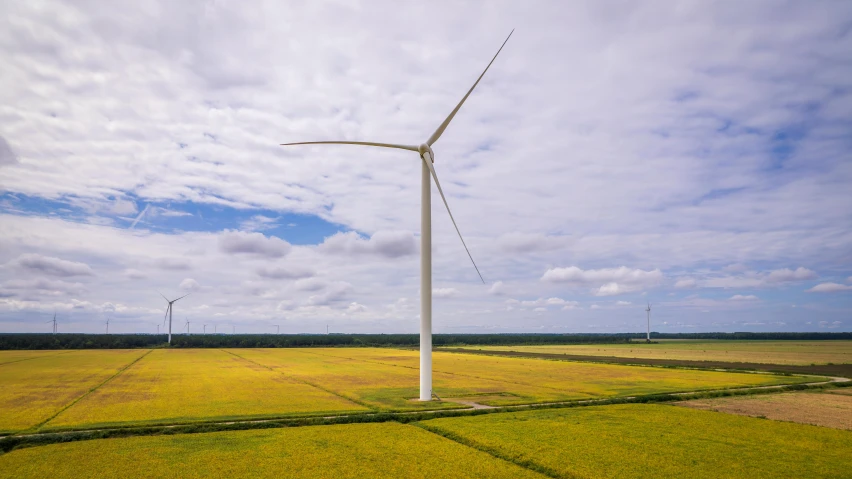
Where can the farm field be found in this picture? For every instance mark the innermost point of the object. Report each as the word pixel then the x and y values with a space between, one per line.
pixel 33 390
pixel 386 378
pixel 86 389
pixel 765 352
pixel 660 441
pixel 832 408
pixel 184 385
pixel 14 356
pixel 386 450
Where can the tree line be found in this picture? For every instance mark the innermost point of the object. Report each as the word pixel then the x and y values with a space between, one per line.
pixel 130 341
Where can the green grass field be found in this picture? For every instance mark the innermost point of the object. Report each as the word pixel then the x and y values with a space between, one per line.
pixel 85 389
pixel 386 450
pixel 658 441
pixel 763 352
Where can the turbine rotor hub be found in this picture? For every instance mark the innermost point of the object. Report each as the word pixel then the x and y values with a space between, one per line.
pixel 424 148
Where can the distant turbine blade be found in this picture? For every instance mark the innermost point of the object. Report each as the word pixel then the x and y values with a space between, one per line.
pixel 365 143
pixel 428 161
pixel 446 122
pixel 187 294
pixel 163 295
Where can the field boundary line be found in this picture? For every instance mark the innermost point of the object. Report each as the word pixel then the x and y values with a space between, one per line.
pixel 22 440
pixel 86 394
pixel 37 357
pixel 527 464
pixel 335 393
pixel 665 363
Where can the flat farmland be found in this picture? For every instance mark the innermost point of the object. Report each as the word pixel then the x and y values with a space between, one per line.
pixel 386 450
pixel 34 389
pixel 387 378
pixel 660 441
pixel 832 408
pixel 105 388
pixel 762 352
pixel 185 385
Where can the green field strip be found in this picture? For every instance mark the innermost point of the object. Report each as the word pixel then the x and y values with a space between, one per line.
pixel 90 391
pixel 10 443
pixel 35 357
pixel 336 393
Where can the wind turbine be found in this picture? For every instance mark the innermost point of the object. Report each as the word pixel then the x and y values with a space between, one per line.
pixel 277 329
pixel 53 321
pixel 169 312
pixel 107 327
pixel 428 157
pixel 187 326
pixel 205 329
pixel 648 310
pixel 158 328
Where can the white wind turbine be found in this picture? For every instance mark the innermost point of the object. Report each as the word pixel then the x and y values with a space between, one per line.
pixel 169 312
pixel 648 310
pixel 428 157
pixel 187 326
pixel 54 322
pixel 107 326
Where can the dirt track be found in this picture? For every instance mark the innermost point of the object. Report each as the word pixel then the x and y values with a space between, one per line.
pixel 842 370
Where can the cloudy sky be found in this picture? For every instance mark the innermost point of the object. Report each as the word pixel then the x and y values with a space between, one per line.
pixel 697 155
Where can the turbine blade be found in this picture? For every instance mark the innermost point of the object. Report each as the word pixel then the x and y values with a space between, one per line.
pixel 365 143
pixel 187 294
pixel 163 295
pixel 440 130
pixel 428 162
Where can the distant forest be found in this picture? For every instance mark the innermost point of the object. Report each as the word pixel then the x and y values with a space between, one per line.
pixel 124 341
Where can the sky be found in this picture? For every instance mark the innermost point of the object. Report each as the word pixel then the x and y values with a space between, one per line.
pixel 696 156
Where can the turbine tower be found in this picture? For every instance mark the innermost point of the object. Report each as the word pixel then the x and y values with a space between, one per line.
pixel 169 309
pixel 648 310
pixel 107 327
pixel 187 327
pixel 428 158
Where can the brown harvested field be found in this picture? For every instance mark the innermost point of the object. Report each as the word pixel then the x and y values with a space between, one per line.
pixel 829 409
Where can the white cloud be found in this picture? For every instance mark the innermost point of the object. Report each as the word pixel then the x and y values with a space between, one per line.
pixel 258 223
pixel 310 284
pixel 284 272
pixel 497 288
pixel 36 263
pixel 622 303
pixel 355 308
pixel 684 283
pixel 615 280
pixel 517 242
pixel 189 284
pixel 740 297
pixel 391 244
pixel 787 275
pixel 44 286
pixel 131 273
pixel 829 288
pixel 444 292
pixel 253 243
pixel 594 306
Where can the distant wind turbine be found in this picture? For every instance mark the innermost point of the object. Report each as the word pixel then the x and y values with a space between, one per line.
pixel 277 329
pixel 158 328
pixel 169 309
pixel 107 326
pixel 428 158
pixel 648 310
pixel 54 322
pixel 187 326
pixel 205 329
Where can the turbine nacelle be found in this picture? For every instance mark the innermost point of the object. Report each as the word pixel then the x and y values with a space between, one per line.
pixel 423 149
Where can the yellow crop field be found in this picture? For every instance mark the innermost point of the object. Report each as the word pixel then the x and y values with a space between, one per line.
pixel 381 386
pixel 762 352
pixel 387 450
pixel 184 385
pixel 659 441
pixel 385 377
pixel 15 356
pixel 33 390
